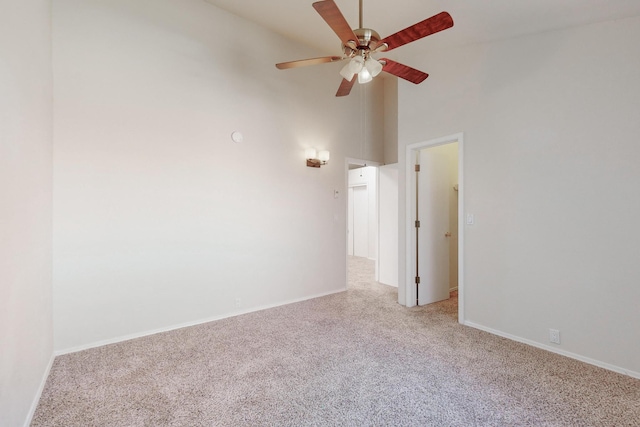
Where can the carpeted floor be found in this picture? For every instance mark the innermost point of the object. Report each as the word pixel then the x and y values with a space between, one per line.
pixel 351 359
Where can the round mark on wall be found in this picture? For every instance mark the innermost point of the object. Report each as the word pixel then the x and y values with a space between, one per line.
pixel 237 137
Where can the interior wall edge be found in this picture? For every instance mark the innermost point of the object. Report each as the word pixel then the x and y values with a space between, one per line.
pixel 170 328
pixel 575 356
pixel 36 398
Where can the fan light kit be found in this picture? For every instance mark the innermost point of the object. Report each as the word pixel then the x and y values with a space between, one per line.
pixel 366 69
pixel 360 44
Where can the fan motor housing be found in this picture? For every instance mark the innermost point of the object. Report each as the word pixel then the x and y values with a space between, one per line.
pixel 368 40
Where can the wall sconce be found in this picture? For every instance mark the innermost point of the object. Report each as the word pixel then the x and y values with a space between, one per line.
pixel 316 159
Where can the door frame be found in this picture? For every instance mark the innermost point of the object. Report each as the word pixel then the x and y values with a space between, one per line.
pixel 410 208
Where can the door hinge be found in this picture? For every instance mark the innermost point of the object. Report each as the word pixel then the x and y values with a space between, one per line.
pixel 417 280
pixel 417 224
pixel 417 168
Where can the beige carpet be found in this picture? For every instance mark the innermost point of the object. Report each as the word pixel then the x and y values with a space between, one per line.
pixel 352 359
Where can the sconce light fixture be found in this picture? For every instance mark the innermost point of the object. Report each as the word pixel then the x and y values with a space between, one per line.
pixel 315 159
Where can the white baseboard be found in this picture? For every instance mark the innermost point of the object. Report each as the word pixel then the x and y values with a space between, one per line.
pixel 575 356
pixel 36 399
pixel 453 289
pixel 188 324
pixel 387 284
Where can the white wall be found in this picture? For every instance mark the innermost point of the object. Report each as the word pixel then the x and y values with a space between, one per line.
pixel 551 166
pixel 368 176
pixel 26 332
pixel 159 218
pixel 388 230
pixel 371 120
pixel 390 119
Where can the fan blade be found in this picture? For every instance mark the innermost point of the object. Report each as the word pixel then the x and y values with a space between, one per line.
pixel 429 26
pixel 332 16
pixel 345 87
pixel 305 62
pixel 403 71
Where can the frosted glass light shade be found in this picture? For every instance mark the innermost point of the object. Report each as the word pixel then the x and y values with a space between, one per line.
pixel 373 66
pixel 353 67
pixel 356 64
pixel 346 72
pixel 323 156
pixel 364 76
pixel 310 153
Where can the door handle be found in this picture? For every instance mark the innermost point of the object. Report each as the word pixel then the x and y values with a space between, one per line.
pixel 447 234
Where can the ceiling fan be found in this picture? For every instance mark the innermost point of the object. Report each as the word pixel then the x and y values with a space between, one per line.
pixel 360 44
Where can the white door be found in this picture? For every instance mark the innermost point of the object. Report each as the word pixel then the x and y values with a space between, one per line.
pixel 433 214
pixel 360 221
pixel 388 223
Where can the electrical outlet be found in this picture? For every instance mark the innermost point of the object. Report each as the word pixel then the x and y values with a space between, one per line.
pixel 554 336
pixel 238 302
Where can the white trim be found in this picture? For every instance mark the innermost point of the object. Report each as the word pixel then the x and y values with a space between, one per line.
pixel 556 350
pixel 359 162
pixel 36 398
pixel 411 150
pixel 453 289
pixel 189 324
pixel 377 260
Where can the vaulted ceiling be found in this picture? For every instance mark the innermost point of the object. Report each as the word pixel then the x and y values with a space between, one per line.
pixel 475 21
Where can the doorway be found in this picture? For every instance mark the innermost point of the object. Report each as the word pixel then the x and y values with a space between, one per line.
pixel 362 216
pixel 358 227
pixel 433 231
pixel 436 219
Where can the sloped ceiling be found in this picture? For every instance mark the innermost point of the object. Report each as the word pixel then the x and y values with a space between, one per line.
pixel 475 21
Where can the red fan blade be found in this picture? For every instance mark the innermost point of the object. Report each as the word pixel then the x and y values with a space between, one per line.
pixel 345 87
pixel 429 26
pixel 403 71
pixel 305 62
pixel 332 16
